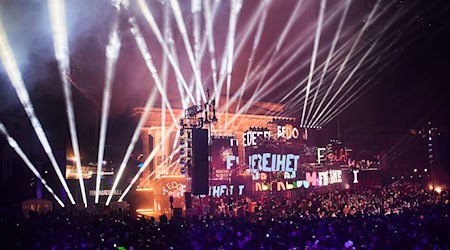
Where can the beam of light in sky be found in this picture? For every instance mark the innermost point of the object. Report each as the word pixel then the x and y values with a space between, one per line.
pixel 154 27
pixel 170 44
pixel 235 9
pixel 241 41
pixel 184 98
pixel 11 68
pixel 141 170
pixel 341 48
pixel 345 82
pixel 83 92
pixel 366 25
pixel 196 8
pixel 364 87
pixel 294 101
pixel 349 100
pixel 175 143
pixel 296 52
pixel 172 166
pixel 210 36
pixel 292 56
pixel 262 93
pixel 13 143
pixel 314 55
pixel 330 55
pixel 286 63
pixel 256 41
pixel 335 62
pixel 151 67
pixel 298 99
pixel 356 67
pixel 292 51
pixel 61 45
pixel 134 139
pixel 335 108
pixel 161 165
pixel 334 111
pixel 182 28
pixel 148 60
pixel 146 163
pixel 272 87
pixel 164 70
pixel 300 94
pixel 281 39
pixel 112 55
pixel 203 48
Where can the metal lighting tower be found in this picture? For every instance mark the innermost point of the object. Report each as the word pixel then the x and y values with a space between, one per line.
pixel 429 133
pixel 191 121
pixel 432 132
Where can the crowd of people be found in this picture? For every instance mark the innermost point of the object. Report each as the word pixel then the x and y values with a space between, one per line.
pixel 394 217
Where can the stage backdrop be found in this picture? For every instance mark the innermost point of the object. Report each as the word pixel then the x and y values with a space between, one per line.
pixel 224 158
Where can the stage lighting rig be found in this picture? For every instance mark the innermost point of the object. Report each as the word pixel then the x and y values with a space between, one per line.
pixel 429 133
pixel 187 125
pixel 193 111
pixel 310 127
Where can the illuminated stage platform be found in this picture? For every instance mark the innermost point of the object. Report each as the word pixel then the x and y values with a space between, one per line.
pixel 152 133
pixel 163 174
pixel 259 152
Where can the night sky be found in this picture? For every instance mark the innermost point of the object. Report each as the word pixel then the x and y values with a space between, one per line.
pixel 404 80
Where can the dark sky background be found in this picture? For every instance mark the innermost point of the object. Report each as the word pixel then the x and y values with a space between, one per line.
pixel 407 87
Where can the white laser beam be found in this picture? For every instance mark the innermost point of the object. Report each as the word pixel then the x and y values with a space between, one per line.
pixel 183 31
pixel 60 41
pixel 14 145
pixel 154 27
pixel 112 55
pixel 314 55
pixel 15 77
